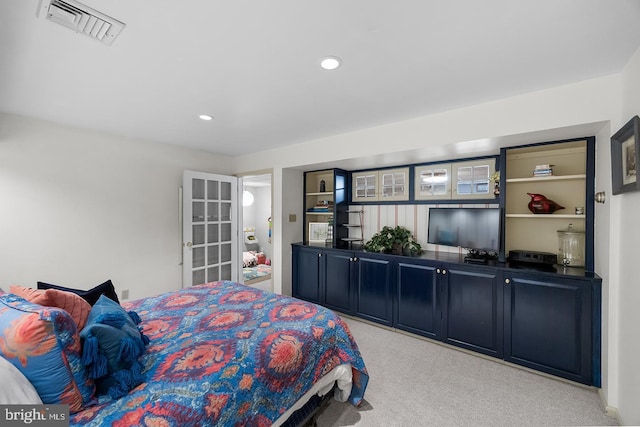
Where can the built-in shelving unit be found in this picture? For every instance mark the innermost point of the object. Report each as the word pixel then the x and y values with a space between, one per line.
pixel 319 202
pixel 568 186
pixel 324 205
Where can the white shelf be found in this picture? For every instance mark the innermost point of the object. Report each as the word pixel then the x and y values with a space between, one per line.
pixel 547 178
pixel 546 216
pixel 324 193
pixel 351 225
pixel 319 213
pixel 351 239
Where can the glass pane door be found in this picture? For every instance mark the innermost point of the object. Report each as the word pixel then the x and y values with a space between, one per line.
pixel 473 179
pixel 433 182
pixel 393 184
pixel 365 186
pixel 210 213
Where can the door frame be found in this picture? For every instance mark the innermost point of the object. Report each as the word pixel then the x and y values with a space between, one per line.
pixel 241 225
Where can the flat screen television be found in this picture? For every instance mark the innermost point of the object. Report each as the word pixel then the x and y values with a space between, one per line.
pixel 472 228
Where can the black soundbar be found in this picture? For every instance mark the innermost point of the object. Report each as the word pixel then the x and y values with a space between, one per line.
pixel 533 257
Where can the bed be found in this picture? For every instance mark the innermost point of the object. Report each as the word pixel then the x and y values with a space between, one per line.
pixel 226 354
pixel 254 267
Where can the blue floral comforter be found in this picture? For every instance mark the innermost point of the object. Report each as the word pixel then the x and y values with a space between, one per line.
pixel 228 355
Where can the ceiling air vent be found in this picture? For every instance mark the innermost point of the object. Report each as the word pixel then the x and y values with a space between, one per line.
pixel 81 19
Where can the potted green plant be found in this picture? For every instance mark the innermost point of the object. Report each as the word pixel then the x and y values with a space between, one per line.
pixel 393 240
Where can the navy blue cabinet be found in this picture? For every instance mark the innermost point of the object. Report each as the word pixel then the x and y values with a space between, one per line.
pixel 373 286
pixel 323 276
pixel 417 308
pixel 338 272
pixel 549 325
pixel 458 304
pixel 472 307
pixel 308 273
pixel 549 322
pixel 345 281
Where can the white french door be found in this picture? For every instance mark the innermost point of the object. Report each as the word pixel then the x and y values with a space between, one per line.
pixel 210 228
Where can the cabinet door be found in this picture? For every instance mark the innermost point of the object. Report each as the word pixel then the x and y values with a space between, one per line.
pixel 472 309
pixel 548 324
pixel 416 295
pixel 433 182
pixel 471 180
pixel 365 186
pixel 338 272
pixel 374 298
pixel 308 266
pixel 394 184
pixel 380 185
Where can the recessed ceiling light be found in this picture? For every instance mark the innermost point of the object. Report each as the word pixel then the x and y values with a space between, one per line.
pixel 205 117
pixel 330 62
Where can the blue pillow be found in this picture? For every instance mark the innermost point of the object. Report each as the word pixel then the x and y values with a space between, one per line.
pixel 112 344
pixel 43 343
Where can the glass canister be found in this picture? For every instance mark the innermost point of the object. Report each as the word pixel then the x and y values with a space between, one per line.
pixel 571 247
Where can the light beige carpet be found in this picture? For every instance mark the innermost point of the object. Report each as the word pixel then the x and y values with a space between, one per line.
pixel 414 382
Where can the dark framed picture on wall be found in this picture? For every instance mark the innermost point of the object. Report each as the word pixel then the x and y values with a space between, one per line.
pixel 625 152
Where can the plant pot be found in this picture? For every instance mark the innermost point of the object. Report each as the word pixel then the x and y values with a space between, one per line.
pixel 396 249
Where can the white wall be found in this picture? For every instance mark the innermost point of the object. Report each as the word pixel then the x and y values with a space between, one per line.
pixel 454 134
pixel 80 207
pixel 627 287
pixel 287 206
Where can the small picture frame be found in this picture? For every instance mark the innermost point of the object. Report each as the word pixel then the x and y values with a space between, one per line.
pixel 625 157
pixel 318 232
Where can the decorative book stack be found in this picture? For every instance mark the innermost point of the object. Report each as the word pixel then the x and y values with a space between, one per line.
pixel 543 170
pixel 322 206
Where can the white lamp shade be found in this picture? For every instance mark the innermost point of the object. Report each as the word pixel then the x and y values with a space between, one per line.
pixel 247 198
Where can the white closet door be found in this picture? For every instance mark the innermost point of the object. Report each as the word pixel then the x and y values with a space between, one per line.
pixel 210 228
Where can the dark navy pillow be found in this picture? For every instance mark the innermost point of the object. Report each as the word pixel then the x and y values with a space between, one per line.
pixel 92 295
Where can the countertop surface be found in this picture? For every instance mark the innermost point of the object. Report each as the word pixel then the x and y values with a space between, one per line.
pixel 459 258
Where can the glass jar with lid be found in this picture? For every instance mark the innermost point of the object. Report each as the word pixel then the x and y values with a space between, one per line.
pixel 571 247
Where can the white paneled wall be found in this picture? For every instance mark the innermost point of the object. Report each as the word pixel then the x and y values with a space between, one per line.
pixel 413 217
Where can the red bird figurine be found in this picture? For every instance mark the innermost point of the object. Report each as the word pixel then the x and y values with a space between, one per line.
pixel 539 204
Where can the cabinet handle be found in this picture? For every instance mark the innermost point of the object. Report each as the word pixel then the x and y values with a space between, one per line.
pixel 507 281
pixel 319 255
pixel 444 271
pixel 438 270
pixel 355 259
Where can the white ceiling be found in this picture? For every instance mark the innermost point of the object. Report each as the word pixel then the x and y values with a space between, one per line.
pixel 254 65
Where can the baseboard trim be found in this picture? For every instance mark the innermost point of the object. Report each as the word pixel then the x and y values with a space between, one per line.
pixel 610 411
